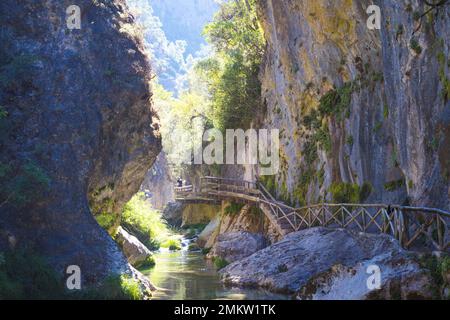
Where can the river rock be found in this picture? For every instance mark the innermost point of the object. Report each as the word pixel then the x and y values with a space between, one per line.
pixel 340 256
pixel 235 246
pixel 138 255
pixel 401 278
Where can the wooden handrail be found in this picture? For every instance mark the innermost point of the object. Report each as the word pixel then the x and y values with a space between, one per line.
pixel 402 222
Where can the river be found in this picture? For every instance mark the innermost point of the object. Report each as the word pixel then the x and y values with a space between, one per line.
pixel 184 275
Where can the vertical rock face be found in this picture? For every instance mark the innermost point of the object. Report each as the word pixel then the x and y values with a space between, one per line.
pixel 158 183
pixel 79 125
pixel 360 106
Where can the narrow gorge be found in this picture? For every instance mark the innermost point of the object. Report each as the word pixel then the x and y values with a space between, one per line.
pixel 99 146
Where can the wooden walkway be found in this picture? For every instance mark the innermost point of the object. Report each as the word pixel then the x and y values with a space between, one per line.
pixel 411 226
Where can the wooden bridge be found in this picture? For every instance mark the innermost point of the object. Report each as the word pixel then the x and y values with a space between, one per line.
pixel 412 226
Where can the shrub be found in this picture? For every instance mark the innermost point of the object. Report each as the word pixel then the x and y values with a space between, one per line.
pixel 171 244
pixel 220 263
pixel 414 44
pixel 345 193
pixel 115 287
pixel 144 222
pixel 336 102
pixel 394 185
pixel 282 268
pixel 233 208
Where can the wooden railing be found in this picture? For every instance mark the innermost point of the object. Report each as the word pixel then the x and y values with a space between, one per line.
pixel 411 226
pixel 183 192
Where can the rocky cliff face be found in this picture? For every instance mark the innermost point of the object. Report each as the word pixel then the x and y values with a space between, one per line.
pixel 158 183
pixel 77 124
pixel 359 106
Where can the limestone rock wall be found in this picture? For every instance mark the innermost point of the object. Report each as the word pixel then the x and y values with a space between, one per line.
pixel 79 126
pixel 360 106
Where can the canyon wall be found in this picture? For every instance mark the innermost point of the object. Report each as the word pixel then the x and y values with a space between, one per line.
pixel 77 129
pixel 356 106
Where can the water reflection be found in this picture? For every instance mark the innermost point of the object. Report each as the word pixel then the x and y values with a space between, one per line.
pixel 187 275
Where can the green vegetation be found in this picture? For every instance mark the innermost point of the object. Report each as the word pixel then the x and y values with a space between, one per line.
pixel 386 111
pixel 439 268
pixel 232 72
pixel 337 102
pixel 282 268
pixel 394 185
pixel 26 275
pixel 3 113
pixel 171 244
pixel 219 262
pixel 233 208
pixel 445 81
pixel 350 141
pixel 147 224
pixel 23 185
pixel 414 44
pixel 350 193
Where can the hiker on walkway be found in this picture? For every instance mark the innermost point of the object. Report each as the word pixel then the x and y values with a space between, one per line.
pixel 179 182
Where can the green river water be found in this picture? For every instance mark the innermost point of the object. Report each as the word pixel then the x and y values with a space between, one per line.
pixel 184 275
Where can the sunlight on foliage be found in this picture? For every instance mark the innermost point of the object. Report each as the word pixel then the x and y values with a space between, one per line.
pixel 145 223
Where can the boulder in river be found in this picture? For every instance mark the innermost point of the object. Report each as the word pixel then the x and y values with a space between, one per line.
pixel 138 255
pixel 322 263
pixel 235 246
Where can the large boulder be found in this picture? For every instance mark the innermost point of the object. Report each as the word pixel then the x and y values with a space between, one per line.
pixel 235 246
pixel 339 258
pixel 138 255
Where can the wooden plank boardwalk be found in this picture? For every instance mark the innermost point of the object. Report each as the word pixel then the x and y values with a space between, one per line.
pixel 411 226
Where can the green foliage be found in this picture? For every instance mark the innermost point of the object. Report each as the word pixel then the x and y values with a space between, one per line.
pixel 350 141
pixel 205 251
pixel 386 111
pixel 219 262
pixel 350 193
pixel 23 185
pixel 172 244
pixel 414 44
pixel 269 183
pixel 106 220
pixel 439 268
pixel 145 223
pixel 282 268
pixel 3 113
pixel 26 275
pixel 115 287
pixel 337 102
pixel 345 193
pixel 233 208
pixel 394 185
pixel 442 76
pixel 232 73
